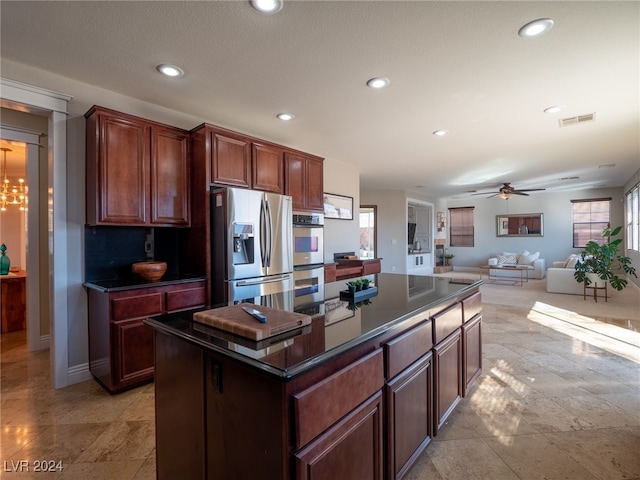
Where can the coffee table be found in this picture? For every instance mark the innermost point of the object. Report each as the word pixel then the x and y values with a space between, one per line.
pixel 523 269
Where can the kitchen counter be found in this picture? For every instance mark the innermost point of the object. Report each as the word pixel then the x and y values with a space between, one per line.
pixel 399 298
pixel 130 283
pixel 359 393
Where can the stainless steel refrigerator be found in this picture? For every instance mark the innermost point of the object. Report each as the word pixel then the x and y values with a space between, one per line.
pixel 251 244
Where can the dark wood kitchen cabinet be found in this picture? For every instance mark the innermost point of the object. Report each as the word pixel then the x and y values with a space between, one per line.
pixel 120 345
pixel 230 159
pixel 267 168
pixel 447 366
pixel 137 171
pixel 304 181
pixel 409 398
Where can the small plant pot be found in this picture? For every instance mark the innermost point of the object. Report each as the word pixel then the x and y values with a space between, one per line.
pixel 358 288
pixel 352 288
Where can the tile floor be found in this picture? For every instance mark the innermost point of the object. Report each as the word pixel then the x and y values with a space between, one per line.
pixel 549 405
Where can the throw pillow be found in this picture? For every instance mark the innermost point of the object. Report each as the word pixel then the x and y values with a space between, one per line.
pixel 527 258
pixel 507 259
pixel 572 260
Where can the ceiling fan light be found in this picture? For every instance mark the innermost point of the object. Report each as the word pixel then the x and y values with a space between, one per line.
pixel 505 196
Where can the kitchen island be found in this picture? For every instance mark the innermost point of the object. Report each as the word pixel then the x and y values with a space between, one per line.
pixel 358 394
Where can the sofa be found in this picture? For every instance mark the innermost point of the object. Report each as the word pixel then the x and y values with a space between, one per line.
pixel 536 265
pixel 560 277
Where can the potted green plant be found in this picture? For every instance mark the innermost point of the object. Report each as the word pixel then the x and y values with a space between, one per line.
pixel 351 285
pixel 448 257
pixel 599 262
pixel 365 283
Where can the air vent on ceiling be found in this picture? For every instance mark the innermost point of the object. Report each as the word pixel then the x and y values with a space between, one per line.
pixel 569 178
pixel 589 117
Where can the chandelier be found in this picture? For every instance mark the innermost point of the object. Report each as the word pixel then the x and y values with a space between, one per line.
pixel 11 195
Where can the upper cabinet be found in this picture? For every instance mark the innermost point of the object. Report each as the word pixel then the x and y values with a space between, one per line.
pixel 137 171
pixel 304 181
pixel 224 157
pixel 230 159
pixel 268 173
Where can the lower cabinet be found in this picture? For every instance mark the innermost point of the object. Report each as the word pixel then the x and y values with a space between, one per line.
pixel 409 399
pixel 447 365
pixel 472 352
pixel 351 449
pixel 120 345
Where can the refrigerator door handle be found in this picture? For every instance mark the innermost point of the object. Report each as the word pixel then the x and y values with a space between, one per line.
pixel 263 234
pixel 278 278
pixel 269 230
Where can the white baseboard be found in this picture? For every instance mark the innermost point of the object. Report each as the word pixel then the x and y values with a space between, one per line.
pixel 44 341
pixel 79 373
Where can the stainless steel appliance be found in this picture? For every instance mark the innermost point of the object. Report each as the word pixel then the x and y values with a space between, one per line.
pixel 308 239
pixel 251 244
pixel 308 286
pixel 308 260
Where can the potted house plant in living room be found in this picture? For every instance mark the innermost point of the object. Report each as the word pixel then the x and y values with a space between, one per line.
pixel 599 262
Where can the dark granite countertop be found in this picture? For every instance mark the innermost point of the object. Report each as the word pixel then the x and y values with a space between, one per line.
pixel 400 298
pixel 131 283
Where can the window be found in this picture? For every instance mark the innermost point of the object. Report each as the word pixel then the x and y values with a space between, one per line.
pixel 590 217
pixel 461 227
pixel 633 218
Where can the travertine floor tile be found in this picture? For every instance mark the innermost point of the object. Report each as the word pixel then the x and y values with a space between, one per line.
pixel 550 404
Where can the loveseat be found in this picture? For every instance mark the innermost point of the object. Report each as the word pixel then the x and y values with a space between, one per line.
pixel 560 277
pixel 535 264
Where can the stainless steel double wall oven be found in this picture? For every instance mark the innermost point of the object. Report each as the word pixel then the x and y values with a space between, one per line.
pixel 308 259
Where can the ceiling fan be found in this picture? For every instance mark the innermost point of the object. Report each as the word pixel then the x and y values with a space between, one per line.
pixel 507 190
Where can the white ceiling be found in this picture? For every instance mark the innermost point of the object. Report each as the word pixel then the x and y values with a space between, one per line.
pixel 453 65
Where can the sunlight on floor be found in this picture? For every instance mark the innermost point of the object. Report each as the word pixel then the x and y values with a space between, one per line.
pixel 617 340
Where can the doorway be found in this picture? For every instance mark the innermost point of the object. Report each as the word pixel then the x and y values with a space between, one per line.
pixel 368 232
pixel 20 224
pixel 13 207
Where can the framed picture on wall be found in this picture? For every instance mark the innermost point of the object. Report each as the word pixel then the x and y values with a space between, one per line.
pixel 338 206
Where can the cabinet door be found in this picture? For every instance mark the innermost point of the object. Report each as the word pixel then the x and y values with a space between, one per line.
pixel 410 416
pixel 268 168
pixel 315 184
pixel 447 362
pixel 295 173
pixel 122 171
pixel 133 353
pixel 230 160
pixel 351 449
pixel 471 351
pixel 185 296
pixel 304 181
pixel 169 177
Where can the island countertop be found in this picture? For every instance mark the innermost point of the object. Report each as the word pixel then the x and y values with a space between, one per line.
pixel 400 299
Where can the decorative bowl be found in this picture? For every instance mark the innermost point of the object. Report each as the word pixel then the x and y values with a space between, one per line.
pixel 149 271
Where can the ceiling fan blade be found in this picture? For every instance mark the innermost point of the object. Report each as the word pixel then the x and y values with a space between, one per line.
pixel 519 192
pixel 531 189
pixel 491 196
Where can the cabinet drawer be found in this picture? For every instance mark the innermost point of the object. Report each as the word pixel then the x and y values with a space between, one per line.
pixel 405 349
pixel 138 306
pixel 446 322
pixel 190 297
pixel 320 406
pixel 471 306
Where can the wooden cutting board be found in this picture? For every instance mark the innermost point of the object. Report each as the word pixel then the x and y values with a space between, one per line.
pixel 235 320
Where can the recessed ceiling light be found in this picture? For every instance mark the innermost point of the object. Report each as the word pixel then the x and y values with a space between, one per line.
pixel 285 116
pixel 536 28
pixel 554 109
pixel 170 70
pixel 440 133
pixel 377 82
pixel 267 6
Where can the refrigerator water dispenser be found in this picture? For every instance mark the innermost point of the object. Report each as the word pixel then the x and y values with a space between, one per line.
pixel 242 243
